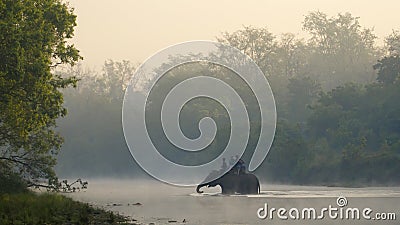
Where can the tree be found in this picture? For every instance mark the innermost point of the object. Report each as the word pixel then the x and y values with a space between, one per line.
pixel 389 66
pixel 33 41
pixel 388 69
pixel 99 142
pixel 288 152
pixel 393 43
pixel 278 59
pixel 292 56
pixel 115 78
pixel 303 91
pixel 343 51
pixel 258 43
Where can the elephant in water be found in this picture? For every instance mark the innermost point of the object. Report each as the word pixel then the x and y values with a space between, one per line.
pixel 232 183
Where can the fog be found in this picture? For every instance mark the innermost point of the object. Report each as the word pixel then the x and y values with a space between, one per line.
pixel 134 30
pixel 174 112
pixel 333 70
pixel 155 202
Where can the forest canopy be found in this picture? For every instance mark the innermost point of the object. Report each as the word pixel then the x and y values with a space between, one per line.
pixel 336 93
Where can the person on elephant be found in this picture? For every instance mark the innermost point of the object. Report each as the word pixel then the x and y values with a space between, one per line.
pixel 232 161
pixel 224 166
pixel 239 167
pixel 242 168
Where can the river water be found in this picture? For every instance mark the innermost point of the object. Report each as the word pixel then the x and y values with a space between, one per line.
pixel 155 202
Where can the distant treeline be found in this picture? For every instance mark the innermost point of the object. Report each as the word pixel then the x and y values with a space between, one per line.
pixel 336 94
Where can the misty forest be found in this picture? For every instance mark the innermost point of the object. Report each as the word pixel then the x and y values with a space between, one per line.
pixel 336 95
pixel 336 91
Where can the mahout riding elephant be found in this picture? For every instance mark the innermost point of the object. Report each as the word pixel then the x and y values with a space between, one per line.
pixel 232 183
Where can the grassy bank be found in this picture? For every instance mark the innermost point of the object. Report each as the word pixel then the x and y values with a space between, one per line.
pixel 32 208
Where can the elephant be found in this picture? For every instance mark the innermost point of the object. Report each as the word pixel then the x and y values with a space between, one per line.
pixel 232 183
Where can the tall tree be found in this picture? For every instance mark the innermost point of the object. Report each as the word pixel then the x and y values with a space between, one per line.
pixel 393 43
pixel 389 66
pixel 343 51
pixel 292 56
pixel 258 43
pixel 33 40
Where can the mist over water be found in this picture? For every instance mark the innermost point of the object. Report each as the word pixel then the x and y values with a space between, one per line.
pixel 337 122
pixel 152 201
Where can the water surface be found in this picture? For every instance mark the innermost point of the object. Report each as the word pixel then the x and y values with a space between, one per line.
pixel 159 203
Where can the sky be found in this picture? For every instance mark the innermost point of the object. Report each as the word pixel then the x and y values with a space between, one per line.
pixel 134 30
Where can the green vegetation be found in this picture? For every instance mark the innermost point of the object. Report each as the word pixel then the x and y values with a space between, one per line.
pixel 336 92
pixel 32 208
pixel 350 138
pixel 33 40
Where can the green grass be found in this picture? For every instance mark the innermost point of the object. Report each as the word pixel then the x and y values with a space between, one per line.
pixel 32 208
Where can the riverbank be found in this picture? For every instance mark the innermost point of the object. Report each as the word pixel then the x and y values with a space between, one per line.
pixel 51 208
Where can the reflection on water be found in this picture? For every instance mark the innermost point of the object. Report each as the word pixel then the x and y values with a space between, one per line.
pixel 152 201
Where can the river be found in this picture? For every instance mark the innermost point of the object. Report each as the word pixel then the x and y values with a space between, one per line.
pixel 155 202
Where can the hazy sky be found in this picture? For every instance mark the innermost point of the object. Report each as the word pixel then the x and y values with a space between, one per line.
pixel 134 30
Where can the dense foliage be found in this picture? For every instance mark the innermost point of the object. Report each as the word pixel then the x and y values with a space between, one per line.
pixel 33 40
pixel 336 93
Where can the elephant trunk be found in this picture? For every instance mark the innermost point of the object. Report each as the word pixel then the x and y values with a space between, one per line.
pixel 198 188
